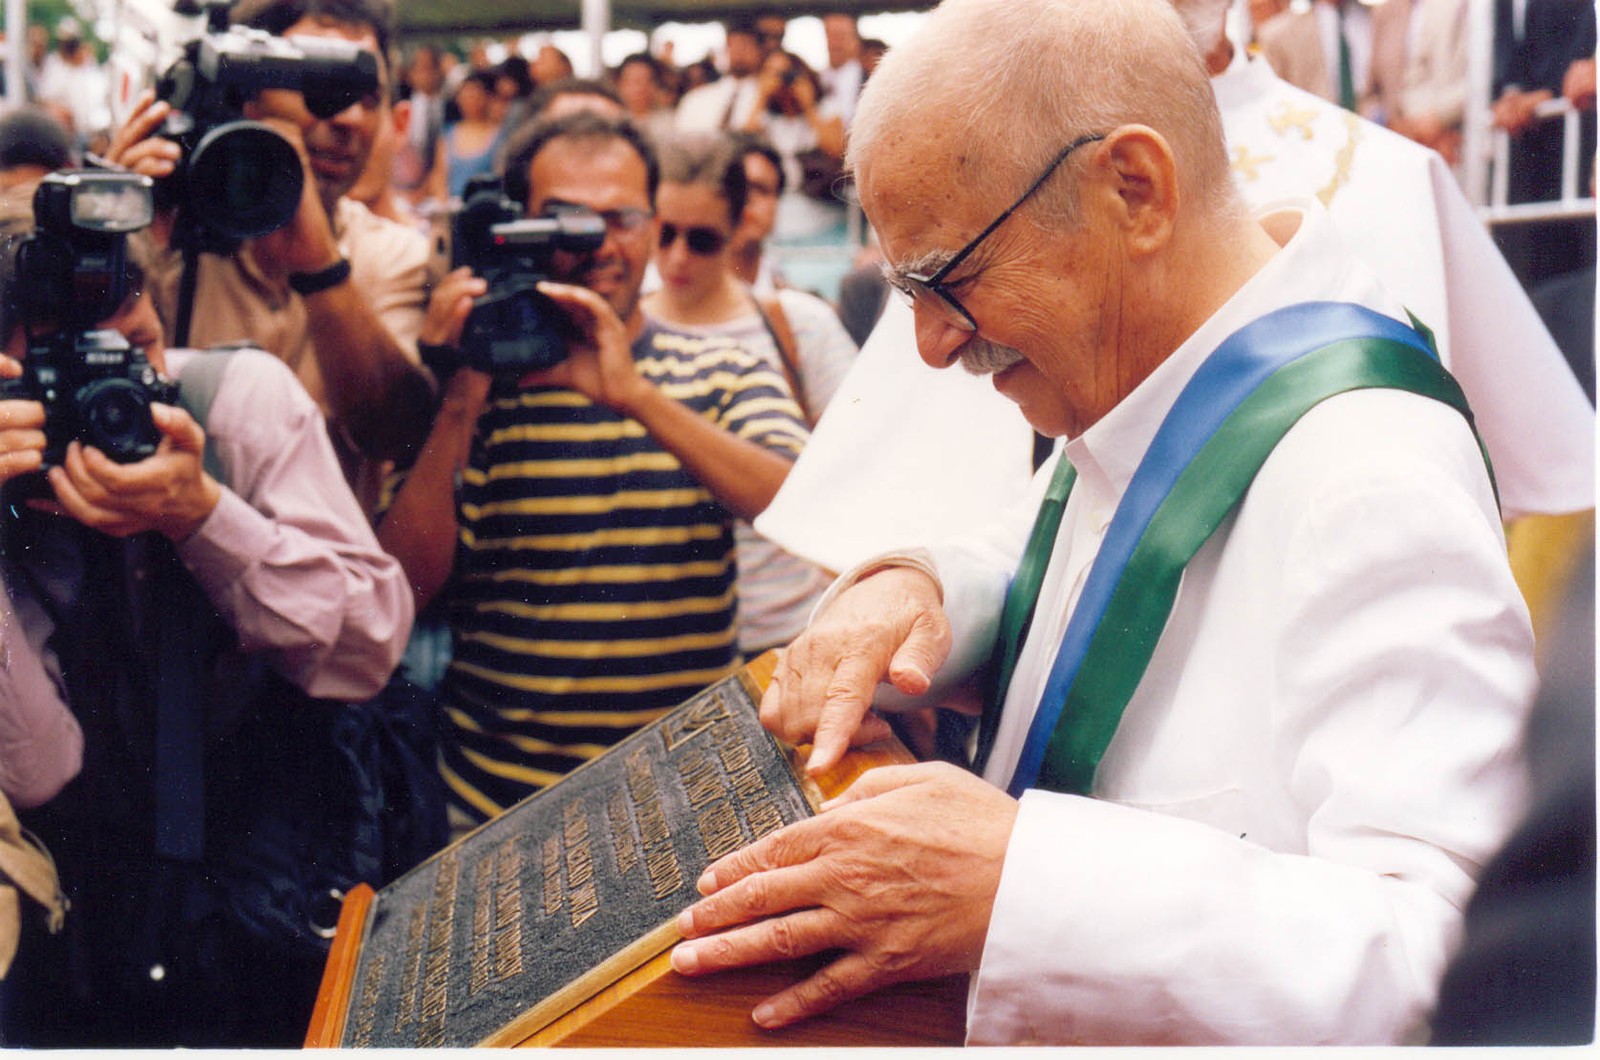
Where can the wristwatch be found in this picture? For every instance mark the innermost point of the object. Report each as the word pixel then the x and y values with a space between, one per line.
pixel 307 283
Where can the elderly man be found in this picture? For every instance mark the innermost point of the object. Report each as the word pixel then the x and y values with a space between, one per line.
pixel 1398 208
pixel 1273 843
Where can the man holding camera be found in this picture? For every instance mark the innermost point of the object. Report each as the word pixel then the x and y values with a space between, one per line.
pixel 590 553
pixel 337 293
pixel 175 603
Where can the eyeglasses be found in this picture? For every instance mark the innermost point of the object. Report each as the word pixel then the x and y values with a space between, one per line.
pixel 624 221
pixel 702 241
pixel 629 220
pixel 917 287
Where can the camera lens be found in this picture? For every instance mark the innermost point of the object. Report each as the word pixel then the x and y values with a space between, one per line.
pixel 244 180
pixel 115 414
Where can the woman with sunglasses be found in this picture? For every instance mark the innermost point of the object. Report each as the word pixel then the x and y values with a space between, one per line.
pixel 700 202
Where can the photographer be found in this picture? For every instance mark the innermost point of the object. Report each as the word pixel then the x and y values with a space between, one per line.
pixel 232 562
pixel 338 294
pixel 592 586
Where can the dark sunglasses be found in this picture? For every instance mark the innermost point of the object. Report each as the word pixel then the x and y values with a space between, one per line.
pixel 702 241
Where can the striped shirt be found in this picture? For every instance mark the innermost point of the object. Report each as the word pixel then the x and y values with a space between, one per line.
pixel 594 577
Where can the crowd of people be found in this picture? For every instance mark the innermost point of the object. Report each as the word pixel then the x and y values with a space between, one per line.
pixel 463 109
pixel 516 511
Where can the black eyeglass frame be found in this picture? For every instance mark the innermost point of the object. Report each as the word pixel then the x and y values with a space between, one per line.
pixel 694 236
pixel 911 284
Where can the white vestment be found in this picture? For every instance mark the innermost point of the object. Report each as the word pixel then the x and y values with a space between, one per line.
pixel 909 454
pixel 1319 759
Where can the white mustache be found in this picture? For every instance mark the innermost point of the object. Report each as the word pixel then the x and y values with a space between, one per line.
pixel 982 357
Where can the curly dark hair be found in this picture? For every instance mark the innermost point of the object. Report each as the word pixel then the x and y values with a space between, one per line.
pixel 584 126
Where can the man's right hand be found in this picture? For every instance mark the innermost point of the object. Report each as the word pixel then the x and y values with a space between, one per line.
pixel 135 144
pixel 890 625
pixel 449 306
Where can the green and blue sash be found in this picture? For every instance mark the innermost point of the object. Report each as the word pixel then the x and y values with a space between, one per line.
pixel 1228 418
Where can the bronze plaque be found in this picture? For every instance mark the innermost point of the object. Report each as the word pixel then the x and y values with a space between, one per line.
pixel 504 921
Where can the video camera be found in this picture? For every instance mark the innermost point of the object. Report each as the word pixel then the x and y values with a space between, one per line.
pixel 69 275
pixel 239 178
pixel 513 328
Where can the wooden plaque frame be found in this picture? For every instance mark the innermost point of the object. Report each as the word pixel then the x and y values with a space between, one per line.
pixel 635 998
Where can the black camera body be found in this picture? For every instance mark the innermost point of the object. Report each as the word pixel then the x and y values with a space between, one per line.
pixel 69 275
pixel 240 179
pixel 513 329
pixel 96 389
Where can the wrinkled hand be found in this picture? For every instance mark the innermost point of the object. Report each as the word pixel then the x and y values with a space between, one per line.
pixel 306 243
pixel 889 625
pixel 599 366
pixel 21 430
pixel 168 491
pixel 449 306
pixel 900 872
pixel 135 144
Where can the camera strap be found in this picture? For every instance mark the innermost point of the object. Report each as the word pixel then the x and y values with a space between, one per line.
pixel 188 278
pixel 180 729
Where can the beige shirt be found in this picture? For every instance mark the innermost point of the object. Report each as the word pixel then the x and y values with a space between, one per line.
pixel 237 300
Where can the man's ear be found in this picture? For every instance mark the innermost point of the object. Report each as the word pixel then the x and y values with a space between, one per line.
pixel 401 112
pixel 1146 183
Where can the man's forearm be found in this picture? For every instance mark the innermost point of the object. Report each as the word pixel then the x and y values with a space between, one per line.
pixel 377 393
pixel 420 527
pixel 740 474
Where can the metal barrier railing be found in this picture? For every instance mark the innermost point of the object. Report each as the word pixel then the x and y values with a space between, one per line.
pixel 1570 204
pixel 1486 150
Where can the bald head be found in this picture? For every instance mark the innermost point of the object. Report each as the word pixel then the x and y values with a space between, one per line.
pixel 998 89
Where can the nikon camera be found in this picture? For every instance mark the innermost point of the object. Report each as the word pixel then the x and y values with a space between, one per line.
pixel 69 275
pixel 240 179
pixel 513 329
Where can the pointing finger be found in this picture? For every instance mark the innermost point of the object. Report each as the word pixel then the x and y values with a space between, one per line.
pixel 848 698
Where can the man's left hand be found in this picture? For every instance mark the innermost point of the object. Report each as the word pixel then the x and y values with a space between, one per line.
pixel 600 365
pixel 168 491
pixel 900 872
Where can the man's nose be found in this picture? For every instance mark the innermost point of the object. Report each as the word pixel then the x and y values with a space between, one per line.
pixel 938 342
pixel 353 115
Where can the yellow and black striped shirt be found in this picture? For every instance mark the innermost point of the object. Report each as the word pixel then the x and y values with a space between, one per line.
pixel 594 578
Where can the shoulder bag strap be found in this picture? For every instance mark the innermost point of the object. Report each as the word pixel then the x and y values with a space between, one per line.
pixel 776 322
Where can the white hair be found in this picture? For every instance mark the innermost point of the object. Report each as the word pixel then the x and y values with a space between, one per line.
pixel 998 87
